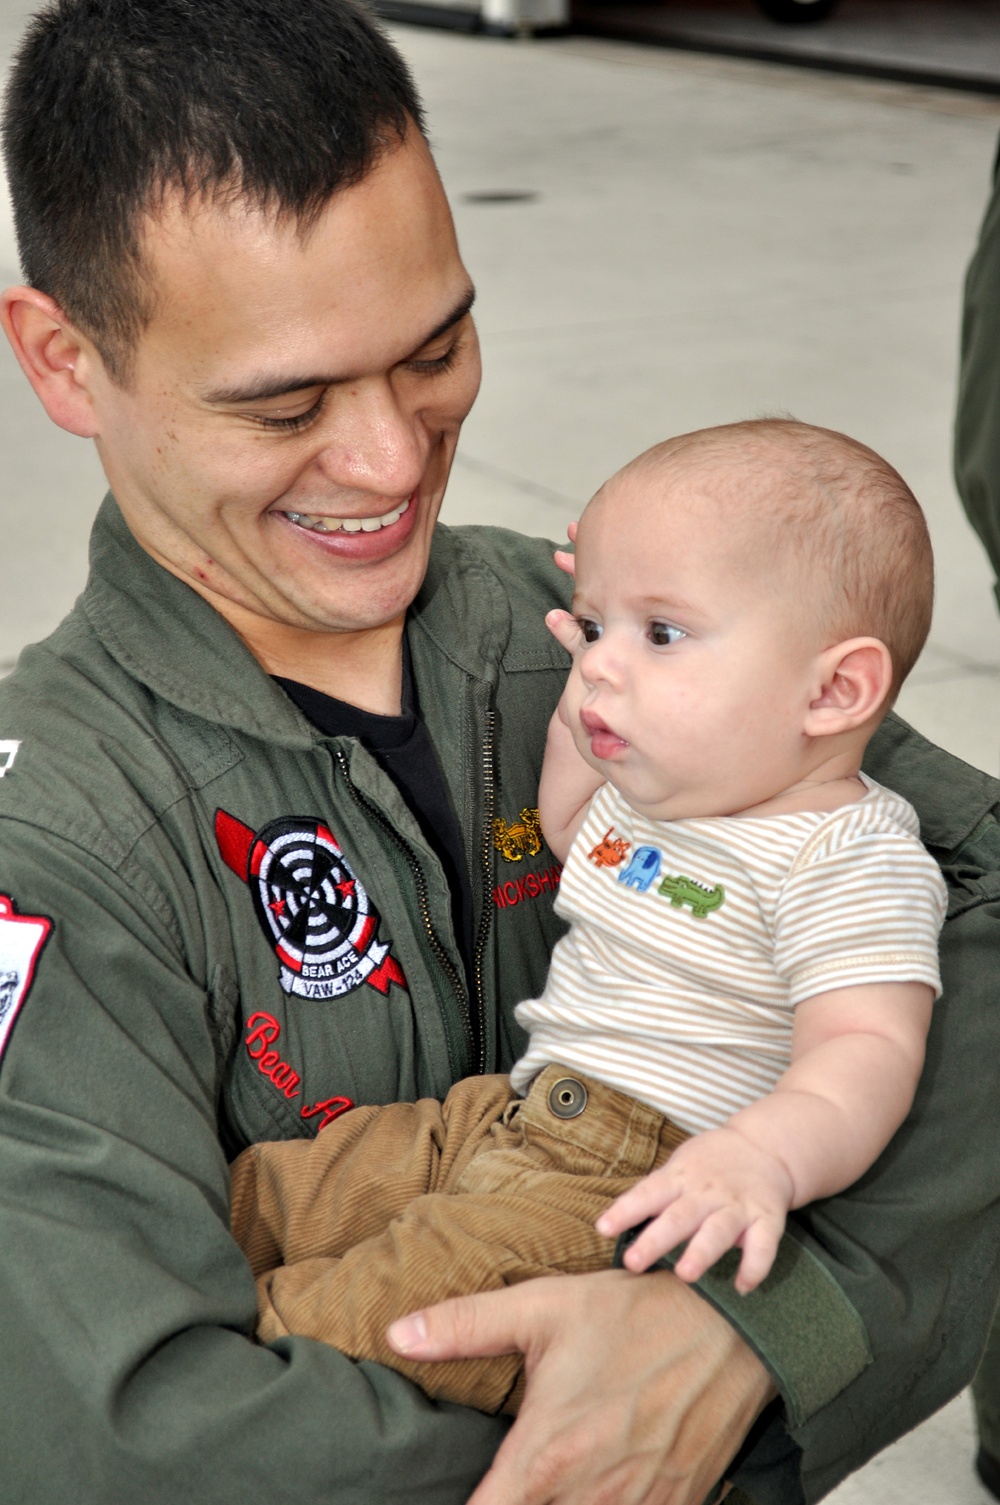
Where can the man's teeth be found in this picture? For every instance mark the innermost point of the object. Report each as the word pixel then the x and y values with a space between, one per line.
pixel 348 524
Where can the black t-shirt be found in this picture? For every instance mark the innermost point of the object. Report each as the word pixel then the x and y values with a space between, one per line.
pixel 403 750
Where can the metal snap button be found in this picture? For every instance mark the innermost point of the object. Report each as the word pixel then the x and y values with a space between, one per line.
pixel 568 1098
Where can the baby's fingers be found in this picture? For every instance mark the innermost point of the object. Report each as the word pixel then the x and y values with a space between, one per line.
pixel 664 1233
pixel 652 1194
pixel 720 1231
pixel 563 558
pixel 760 1245
pixel 563 627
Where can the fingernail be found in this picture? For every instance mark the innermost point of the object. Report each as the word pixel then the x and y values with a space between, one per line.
pixel 408 1333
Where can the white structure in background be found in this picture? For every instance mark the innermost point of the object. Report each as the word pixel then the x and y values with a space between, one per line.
pixel 521 17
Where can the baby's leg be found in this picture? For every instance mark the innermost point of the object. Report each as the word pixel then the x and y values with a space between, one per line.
pixel 300 1199
pixel 524 1206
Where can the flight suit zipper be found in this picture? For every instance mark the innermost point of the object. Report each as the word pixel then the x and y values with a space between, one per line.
pixel 486 862
pixel 473 1039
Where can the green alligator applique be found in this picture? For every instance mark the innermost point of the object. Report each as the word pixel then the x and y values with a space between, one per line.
pixel 680 890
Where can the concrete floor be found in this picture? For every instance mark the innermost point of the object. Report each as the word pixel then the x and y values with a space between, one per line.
pixel 701 240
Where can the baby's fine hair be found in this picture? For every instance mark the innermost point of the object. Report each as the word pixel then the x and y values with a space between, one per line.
pixel 845 512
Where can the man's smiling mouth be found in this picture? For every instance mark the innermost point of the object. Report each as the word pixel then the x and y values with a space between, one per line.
pixel 348 524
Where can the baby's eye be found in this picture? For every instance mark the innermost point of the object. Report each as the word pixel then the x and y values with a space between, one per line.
pixel 590 630
pixel 663 634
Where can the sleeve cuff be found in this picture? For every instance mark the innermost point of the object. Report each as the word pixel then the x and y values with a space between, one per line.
pixel 798 1322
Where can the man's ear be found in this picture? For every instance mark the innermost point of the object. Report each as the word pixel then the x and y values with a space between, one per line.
pixel 53 356
pixel 854 679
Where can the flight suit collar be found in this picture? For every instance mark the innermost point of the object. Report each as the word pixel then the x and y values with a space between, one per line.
pixel 170 639
pixel 952 798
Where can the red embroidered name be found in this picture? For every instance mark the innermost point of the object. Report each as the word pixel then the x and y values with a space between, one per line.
pixel 332 1108
pixel 531 886
pixel 263 1031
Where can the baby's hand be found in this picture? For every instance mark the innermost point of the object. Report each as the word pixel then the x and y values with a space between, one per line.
pixel 563 558
pixel 718 1191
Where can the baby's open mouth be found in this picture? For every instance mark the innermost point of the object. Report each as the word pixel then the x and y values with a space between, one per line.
pixel 604 742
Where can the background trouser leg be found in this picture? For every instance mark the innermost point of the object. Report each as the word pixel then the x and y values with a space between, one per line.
pixel 986 1397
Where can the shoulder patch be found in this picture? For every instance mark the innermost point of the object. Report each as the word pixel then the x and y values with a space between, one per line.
pixel 22 939
pixel 8 752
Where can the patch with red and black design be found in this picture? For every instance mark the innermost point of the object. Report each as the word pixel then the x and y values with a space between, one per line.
pixel 311 906
pixel 22 941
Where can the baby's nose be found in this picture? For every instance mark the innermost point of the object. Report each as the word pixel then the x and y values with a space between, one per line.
pixel 601 660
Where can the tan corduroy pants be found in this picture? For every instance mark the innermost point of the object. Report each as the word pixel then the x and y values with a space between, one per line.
pixel 391 1209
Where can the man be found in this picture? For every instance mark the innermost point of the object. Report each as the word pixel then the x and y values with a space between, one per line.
pixel 977 474
pixel 268 848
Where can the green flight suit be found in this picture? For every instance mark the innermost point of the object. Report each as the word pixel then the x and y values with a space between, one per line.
pixel 977 474
pixel 218 925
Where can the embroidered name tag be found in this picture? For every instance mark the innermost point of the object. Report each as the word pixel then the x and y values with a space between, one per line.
pixel 22 938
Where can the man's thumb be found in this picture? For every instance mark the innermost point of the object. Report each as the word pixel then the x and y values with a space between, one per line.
pixel 467 1327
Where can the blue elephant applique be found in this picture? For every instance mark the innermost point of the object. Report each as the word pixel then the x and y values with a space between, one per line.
pixel 644 869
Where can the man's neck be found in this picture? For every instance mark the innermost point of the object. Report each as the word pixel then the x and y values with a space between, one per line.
pixel 364 669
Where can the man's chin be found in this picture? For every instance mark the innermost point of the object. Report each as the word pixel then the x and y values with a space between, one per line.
pixel 350 612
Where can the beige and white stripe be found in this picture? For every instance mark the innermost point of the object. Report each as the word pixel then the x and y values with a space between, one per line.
pixel 693 1014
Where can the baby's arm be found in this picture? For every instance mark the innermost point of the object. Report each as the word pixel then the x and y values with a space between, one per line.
pixel 856 1057
pixel 568 782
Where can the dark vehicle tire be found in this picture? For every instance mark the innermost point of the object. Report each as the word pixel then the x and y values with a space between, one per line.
pixel 794 12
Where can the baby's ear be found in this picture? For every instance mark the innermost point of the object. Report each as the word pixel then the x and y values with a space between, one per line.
pixel 853 679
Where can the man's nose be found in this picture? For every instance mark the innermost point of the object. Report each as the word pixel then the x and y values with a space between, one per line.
pixel 372 443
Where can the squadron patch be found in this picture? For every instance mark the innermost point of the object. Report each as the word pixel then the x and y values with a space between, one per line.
pixel 313 909
pixel 22 939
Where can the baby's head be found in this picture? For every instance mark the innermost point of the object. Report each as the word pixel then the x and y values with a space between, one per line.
pixel 750 598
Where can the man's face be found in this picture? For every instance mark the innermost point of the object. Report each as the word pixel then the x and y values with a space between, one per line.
pixel 285 437
pixel 696 659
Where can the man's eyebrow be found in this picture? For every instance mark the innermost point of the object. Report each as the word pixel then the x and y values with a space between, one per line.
pixel 268 387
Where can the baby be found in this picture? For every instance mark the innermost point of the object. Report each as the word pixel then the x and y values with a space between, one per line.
pixel 734 1025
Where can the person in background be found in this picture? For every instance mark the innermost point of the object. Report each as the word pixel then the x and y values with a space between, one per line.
pixel 977 475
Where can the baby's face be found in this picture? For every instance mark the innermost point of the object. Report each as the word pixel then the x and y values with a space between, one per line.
pixel 696 658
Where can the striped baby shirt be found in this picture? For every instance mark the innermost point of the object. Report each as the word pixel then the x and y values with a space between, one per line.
pixel 692 941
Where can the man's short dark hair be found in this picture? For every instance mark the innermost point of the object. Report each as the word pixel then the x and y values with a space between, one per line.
pixel 112 103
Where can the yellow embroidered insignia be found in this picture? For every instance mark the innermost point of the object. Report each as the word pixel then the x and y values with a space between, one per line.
pixel 522 838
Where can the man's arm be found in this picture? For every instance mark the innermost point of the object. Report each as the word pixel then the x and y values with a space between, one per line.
pixel 127 1311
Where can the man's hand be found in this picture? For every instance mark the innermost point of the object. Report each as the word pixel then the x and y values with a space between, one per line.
pixel 637 1391
pixel 718 1191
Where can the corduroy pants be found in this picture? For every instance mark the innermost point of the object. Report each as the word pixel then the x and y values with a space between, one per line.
pixel 394 1208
